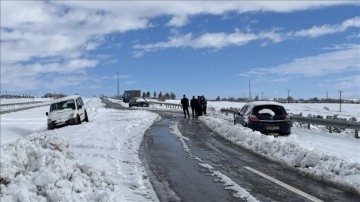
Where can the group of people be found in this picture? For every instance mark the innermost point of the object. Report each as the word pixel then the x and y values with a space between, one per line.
pixel 198 106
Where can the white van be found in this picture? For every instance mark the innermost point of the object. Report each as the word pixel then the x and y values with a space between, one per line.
pixel 66 110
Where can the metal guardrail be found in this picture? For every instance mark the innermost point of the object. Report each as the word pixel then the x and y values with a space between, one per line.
pixel 232 111
pixel 318 121
pixel 20 103
pixel 328 122
pixel 8 108
pixel 168 105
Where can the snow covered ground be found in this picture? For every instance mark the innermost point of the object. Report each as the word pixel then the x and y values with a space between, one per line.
pixel 6 108
pixel 95 161
pixel 21 100
pixel 99 160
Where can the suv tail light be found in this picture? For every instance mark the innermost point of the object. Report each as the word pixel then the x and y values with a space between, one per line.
pixel 287 118
pixel 253 118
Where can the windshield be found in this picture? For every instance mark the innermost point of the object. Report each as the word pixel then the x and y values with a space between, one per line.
pixel 68 104
pixel 269 109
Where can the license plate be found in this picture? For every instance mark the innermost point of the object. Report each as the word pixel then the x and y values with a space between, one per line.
pixel 272 127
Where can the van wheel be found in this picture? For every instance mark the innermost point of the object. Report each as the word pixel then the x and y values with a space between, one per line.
pixel 86 117
pixel 77 120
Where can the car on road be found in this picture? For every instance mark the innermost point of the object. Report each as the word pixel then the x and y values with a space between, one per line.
pixel 264 116
pixel 138 102
pixel 66 110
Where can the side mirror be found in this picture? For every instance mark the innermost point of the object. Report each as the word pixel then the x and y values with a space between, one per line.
pixel 80 106
pixel 47 113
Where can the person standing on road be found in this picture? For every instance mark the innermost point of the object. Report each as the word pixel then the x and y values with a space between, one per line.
pixel 194 105
pixel 198 109
pixel 203 103
pixel 185 106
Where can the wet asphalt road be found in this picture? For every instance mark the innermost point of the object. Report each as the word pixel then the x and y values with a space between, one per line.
pixel 174 167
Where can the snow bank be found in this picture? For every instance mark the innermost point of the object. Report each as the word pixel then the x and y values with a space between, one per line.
pixel 314 162
pixel 94 161
pixel 41 168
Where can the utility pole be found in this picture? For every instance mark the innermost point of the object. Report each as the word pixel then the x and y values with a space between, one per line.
pixel 340 98
pixel 249 91
pixel 118 92
pixel 288 97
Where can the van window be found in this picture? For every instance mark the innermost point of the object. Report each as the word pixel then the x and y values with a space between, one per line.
pixel 68 104
pixel 79 103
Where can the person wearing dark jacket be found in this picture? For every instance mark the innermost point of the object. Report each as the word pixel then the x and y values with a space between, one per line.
pixel 199 109
pixel 185 106
pixel 194 105
pixel 203 103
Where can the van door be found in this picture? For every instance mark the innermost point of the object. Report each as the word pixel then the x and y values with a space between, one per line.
pixel 81 108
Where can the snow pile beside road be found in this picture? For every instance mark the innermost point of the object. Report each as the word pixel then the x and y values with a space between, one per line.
pixel 97 162
pixel 315 162
pixel 41 168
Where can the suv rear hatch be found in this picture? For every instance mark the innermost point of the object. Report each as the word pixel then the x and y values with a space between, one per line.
pixel 270 113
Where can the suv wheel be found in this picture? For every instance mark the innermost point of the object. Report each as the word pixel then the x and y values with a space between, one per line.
pixel 86 117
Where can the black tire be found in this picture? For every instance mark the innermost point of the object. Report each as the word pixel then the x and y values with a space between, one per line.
pixel 86 117
pixel 77 120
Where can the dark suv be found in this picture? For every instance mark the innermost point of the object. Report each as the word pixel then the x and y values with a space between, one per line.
pixel 266 117
pixel 138 102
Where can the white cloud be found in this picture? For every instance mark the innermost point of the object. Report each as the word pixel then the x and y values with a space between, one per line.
pixel 29 76
pixel 349 82
pixel 237 38
pixel 209 40
pixel 317 31
pixel 113 61
pixel 339 46
pixel 121 76
pixel 58 82
pixel 178 21
pixel 34 31
pixel 323 64
pixel 68 29
pixel 350 85
pixel 131 82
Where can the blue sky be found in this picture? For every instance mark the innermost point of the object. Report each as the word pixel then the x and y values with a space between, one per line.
pixel 211 48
